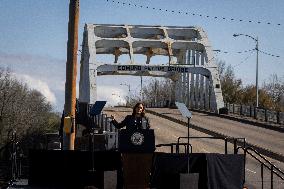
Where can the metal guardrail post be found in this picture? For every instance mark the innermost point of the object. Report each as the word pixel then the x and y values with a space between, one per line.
pixel 110 127
pixel 271 181
pixel 177 149
pixel 106 123
pixel 265 115
pixel 233 108
pixel 241 109
pixel 255 112
pixel 226 146
pixel 261 174
pixel 235 146
pixel 250 111
pixel 278 117
pixel 245 152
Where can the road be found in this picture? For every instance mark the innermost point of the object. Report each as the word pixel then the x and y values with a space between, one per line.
pixel 168 131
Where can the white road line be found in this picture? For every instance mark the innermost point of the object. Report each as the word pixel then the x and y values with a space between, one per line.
pixel 251 171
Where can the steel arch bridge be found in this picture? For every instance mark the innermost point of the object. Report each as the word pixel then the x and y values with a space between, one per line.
pixel 191 64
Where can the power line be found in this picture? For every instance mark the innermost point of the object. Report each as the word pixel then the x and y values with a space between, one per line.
pixel 245 59
pixel 269 54
pixel 240 52
pixel 191 13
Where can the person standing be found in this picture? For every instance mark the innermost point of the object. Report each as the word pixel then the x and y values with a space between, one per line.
pixel 136 121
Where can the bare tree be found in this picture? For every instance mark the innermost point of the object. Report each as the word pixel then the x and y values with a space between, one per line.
pixel 23 110
pixel 156 91
pixel 275 88
pixel 231 86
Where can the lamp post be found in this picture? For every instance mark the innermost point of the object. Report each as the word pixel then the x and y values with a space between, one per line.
pixel 128 85
pixel 256 75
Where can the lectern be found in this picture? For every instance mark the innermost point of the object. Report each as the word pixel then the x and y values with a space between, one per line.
pixel 137 149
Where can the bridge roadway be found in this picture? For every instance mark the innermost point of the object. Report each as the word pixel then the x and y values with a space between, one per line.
pixel 264 138
pixel 167 131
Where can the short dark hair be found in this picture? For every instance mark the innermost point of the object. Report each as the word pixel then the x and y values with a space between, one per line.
pixel 136 105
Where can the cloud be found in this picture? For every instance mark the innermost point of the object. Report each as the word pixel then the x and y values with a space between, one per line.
pixel 38 85
pixel 47 74
pixel 43 73
pixel 48 69
pixel 112 95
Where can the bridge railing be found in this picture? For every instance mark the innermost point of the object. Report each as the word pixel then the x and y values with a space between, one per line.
pixel 240 143
pixel 256 113
pixel 235 141
pixel 264 163
pixel 261 114
pixel 175 147
pixel 160 104
pixel 100 128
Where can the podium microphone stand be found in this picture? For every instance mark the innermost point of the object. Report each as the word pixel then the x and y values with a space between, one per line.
pixel 188 124
pixel 93 131
pixel 185 113
pixel 187 178
pixel 95 110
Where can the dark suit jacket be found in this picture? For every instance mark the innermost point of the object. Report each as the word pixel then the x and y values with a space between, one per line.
pixel 133 123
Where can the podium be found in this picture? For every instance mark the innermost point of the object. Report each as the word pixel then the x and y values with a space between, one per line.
pixel 136 149
pixel 138 141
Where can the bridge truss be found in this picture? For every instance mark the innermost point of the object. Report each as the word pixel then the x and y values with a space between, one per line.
pixel 191 64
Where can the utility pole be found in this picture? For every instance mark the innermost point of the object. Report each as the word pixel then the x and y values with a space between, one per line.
pixel 71 75
pixel 141 89
pixel 256 74
pixel 256 48
pixel 156 95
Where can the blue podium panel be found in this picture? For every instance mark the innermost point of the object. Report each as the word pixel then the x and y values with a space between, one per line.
pixel 138 141
pixel 97 108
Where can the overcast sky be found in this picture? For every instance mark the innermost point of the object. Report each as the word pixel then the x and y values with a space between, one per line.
pixel 33 36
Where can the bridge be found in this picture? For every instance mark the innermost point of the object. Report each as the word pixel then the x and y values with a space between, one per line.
pixel 191 64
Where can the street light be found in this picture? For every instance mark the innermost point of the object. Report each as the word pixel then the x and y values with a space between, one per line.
pixel 256 75
pixel 128 85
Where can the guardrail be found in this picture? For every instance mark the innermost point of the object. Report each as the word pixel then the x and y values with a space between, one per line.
pixel 240 143
pixel 235 141
pixel 274 171
pixel 176 146
pixel 160 104
pixel 256 113
pixel 261 114
pixel 103 122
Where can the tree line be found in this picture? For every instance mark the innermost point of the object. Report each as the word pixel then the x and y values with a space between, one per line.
pixel 24 111
pixel 271 92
